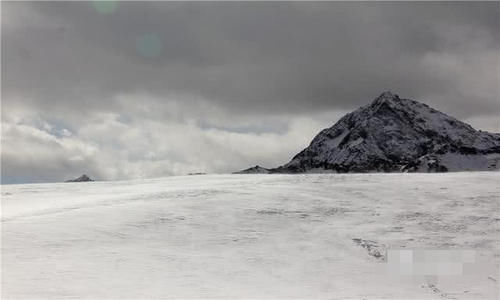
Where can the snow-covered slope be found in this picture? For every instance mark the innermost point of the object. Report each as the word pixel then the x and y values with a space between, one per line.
pixel 278 236
pixel 395 134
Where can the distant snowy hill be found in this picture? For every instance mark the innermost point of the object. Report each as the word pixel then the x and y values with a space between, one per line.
pixel 83 178
pixel 254 170
pixel 392 134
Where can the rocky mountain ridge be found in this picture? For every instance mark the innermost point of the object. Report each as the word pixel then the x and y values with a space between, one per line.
pixel 392 134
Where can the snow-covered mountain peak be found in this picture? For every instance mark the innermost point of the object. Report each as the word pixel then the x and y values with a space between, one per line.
pixel 397 134
pixel 393 101
pixel 386 96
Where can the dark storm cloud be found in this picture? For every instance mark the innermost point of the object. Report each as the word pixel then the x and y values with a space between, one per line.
pixel 141 89
pixel 263 57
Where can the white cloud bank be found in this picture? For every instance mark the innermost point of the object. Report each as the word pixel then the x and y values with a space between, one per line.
pixel 161 141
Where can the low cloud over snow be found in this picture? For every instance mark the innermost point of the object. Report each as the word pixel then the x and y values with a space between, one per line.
pixel 111 145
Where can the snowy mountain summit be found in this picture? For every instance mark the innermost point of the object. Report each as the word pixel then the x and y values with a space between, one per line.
pixel 392 134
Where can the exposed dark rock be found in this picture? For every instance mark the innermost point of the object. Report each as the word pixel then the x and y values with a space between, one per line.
pixel 372 247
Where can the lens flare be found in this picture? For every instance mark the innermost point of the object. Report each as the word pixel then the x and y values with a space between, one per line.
pixel 104 6
pixel 149 45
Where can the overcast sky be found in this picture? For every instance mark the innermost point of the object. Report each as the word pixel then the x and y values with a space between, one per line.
pixel 122 90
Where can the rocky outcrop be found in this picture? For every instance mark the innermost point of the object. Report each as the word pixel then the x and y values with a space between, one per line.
pixel 83 178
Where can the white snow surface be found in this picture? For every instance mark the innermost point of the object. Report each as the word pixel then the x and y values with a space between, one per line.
pixel 308 236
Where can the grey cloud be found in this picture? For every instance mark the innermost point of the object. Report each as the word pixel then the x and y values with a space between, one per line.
pixel 248 57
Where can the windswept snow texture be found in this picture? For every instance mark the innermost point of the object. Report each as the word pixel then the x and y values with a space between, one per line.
pixel 248 236
pixel 394 134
